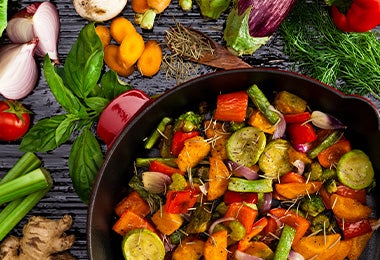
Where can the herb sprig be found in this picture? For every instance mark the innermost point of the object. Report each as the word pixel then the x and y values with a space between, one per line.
pixel 83 91
pixel 348 61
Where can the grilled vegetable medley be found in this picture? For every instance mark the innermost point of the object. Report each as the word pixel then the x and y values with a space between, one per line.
pixel 248 177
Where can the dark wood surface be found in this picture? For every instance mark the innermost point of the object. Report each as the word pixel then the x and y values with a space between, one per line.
pixel 62 198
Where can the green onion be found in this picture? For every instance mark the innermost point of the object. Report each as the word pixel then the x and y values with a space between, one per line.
pixel 24 185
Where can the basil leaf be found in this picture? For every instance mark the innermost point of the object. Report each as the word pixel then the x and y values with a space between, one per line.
pixel 42 136
pixel 112 86
pixel 84 63
pixel 97 103
pixel 65 128
pixel 84 161
pixel 62 94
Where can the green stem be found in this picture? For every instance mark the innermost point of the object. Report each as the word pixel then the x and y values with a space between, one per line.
pixel 243 185
pixel 328 141
pixel 27 163
pixel 262 103
pixel 152 140
pixel 145 162
pixel 24 185
pixel 19 211
pixel 285 243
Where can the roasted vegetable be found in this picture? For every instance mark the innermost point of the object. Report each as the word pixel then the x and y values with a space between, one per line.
pixel 251 23
pixel 188 122
pixel 312 205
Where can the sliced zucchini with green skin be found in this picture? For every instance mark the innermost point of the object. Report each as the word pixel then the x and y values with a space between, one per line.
pixel 246 145
pixel 355 170
pixel 274 161
pixel 143 244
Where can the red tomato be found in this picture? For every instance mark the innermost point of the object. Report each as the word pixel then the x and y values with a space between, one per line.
pixel 14 120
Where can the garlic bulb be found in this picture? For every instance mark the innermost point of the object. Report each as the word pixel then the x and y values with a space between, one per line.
pixel 18 69
pixel 99 10
pixel 39 20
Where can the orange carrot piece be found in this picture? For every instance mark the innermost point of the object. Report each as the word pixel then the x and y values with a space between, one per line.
pixel 165 222
pixel 348 209
pixel 111 58
pixel 120 28
pixel 216 246
pixel 139 6
pixel 295 190
pixel 131 49
pixel 133 202
pixel 104 34
pixel 329 157
pixel 130 220
pixel 218 179
pixel 231 106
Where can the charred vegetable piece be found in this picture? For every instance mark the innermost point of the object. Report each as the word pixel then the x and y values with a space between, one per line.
pixel 312 205
pixel 355 170
pixel 274 161
pixel 246 145
pixel 200 219
pixel 289 103
pixel 187 122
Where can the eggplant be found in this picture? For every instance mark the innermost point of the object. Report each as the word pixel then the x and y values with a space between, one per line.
pixel 251 23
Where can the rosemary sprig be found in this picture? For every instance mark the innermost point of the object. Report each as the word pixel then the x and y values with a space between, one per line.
pixel 348 61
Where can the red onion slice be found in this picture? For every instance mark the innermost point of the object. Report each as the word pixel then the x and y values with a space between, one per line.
pixel 240 255
pixel 241 170
pixel 267 203
pixel 218 221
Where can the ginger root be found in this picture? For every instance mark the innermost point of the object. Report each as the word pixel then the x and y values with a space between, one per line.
pixel 42 239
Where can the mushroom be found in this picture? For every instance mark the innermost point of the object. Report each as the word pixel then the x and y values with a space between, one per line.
pixel 99 10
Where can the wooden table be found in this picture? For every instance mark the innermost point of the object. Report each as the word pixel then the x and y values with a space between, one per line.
pixel 62 199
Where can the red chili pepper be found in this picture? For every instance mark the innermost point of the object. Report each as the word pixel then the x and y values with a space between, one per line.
pixel 231 106
pixel 118 113
pixel 361 15
pixel 157 166
pixel 354 229
pixel 178 202
pixel 179 139
pixel 297 118
pixel 233 196
pixel 301 133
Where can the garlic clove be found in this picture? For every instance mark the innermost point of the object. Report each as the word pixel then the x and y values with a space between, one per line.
pixel 18 70
pixel 39 20
pixel 46 27
pixel 99 10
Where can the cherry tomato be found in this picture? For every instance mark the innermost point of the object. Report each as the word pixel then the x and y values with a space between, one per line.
pixel 14 120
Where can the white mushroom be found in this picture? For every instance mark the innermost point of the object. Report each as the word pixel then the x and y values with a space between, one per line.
pixel 99 10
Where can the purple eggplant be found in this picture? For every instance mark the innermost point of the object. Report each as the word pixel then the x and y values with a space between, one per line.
pixel 251 23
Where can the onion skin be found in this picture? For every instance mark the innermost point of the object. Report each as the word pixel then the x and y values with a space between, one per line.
pixel 18 70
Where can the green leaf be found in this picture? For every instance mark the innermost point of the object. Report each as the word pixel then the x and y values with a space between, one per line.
pixel 65 129
pixel 42 136
pixel 84 63
pixel 84 161
pixel 97 103
pixel 61 93
pixel 3 15
pixel 112 86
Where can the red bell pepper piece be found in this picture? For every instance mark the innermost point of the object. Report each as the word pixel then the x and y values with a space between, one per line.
pixel 271 226
pixel 233 196
pixel 157 166
pixel 179 139
pixel 359 195
pixel 290 218
pixel 354 229
pixel 118 113
pixel 301 133
pixel 231 106
pixel 243 213
pixel 291 177
pixel 361 16
pixel 297 118
pixel 179 202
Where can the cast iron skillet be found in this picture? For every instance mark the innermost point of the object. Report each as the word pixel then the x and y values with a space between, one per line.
pixel 358 114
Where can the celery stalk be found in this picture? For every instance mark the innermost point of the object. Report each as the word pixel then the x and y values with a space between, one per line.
pixel 27 163
pixel 19 212
pixel 24 185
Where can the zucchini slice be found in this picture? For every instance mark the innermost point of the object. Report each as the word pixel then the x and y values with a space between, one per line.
pixel 355 170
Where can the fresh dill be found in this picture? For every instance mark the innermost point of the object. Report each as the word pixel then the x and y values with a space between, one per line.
pixel 348 61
